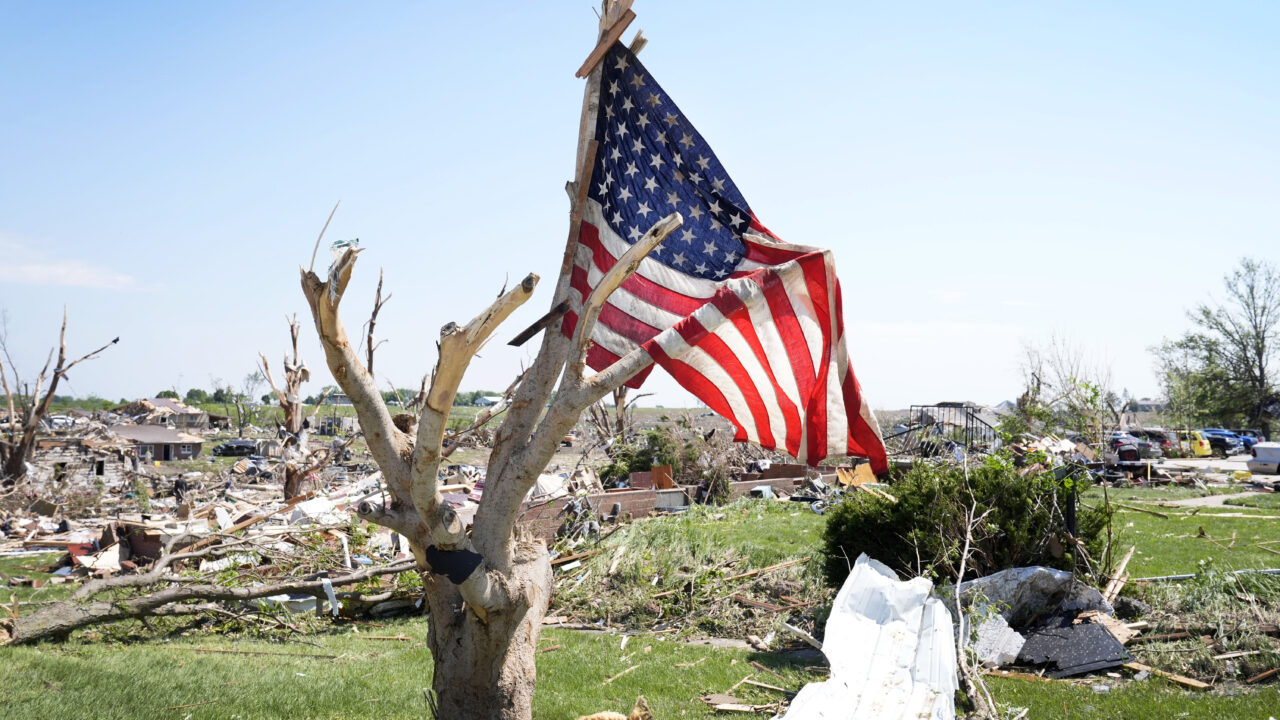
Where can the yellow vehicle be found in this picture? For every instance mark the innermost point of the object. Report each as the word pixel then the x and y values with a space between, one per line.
pixel 1199 444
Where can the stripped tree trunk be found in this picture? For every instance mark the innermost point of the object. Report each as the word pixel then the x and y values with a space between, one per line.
pixel 299 463
pixel 489 585
pixel 19 436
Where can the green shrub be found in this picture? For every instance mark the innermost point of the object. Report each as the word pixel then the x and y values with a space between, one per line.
pixel 657 446
pixel 924 531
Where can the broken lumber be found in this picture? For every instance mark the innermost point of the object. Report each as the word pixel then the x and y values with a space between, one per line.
pixel 766 686
pixel 1179 679
pixel 769 670
pixel 1162 637
pixel 802 635
pixel 1263 676
pixel 606 41
pixel 1118 578
pixel 771 568
pixel 262 652
pixel 576 556
pixel 250 522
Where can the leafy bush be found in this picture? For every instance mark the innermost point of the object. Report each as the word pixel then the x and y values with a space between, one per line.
pixel 656 446
pixel 924 531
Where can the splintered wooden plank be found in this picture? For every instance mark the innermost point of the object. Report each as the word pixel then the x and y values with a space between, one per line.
pixel 1181 680
pixel 610 37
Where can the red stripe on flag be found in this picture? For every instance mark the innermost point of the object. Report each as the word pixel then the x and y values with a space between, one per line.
pixel 638 285
pixel 626 325
pixel 771 254
pixel 697 335
pixel 578 281
pixel 732 307
pixel 784 319
pixel 598 358
pixel 814 266
pixel 863 440
pixel 694 381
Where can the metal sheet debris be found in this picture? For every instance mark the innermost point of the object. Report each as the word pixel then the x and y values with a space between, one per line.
pixel 891 648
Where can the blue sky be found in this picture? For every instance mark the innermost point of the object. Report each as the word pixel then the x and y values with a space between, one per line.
pixel 988 174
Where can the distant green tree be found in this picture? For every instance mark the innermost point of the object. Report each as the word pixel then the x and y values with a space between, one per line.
pixel 1199 390
pixel 1222 371
pixel 173 395
pixel 196 395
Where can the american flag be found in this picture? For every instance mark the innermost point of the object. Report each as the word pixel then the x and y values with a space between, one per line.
pixel 751 326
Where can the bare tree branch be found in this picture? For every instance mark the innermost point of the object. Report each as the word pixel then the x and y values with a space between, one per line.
pixel 612 280
pixel 378 302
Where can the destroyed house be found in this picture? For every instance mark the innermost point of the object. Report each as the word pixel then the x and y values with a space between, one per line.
pixel 158 442
pixel 61 459
pixel 165 411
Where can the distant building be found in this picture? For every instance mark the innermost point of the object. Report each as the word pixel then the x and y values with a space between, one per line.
pixel 63 458
pixel 159 442
pixel 487 400
pixel 1148 405
pixel 337 425
pixel 337 399
pixel 165 411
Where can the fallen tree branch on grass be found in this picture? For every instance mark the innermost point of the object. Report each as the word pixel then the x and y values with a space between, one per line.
pixel 162 592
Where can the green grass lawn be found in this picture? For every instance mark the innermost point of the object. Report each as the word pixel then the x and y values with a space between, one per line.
pixel 127 670
pixel 1151 698
pixel 349 676
pixel 688 560
pixel 1170 546
pixel 1266 501
pixel 32 567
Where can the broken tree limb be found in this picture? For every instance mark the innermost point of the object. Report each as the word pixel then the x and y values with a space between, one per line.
pixel 388 445
pixel 624 672
pixel 457 346
pixel 611 281
pixel 320 237
pixel 174 591
pixel 1263 676
pixel 371 343
pixel 540 324
pixel 17 444
pixel 1141 510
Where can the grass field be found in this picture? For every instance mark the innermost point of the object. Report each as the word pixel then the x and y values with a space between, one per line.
pixel 1152 698
pixel 342 674
pixel 169 671
pixel 1173 544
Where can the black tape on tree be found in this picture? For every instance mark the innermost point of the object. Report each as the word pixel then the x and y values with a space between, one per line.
pixel 457 565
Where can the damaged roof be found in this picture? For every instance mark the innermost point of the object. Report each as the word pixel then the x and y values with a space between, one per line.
pixel 153 434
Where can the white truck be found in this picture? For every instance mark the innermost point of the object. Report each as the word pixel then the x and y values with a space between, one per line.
pixel 1266 459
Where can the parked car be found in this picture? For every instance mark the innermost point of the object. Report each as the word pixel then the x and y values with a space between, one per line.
pixel 1223 441
pixel 1146 449
pixel 1156 436
pixel 1266 458
pixel 1250 437
pixel 236 448
pixel 1199 444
